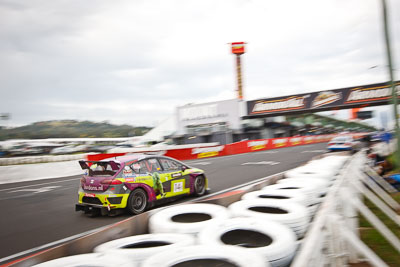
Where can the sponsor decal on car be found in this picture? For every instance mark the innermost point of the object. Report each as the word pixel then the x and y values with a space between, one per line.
pixel 205 152
pixel 175 175
pixel 93 188
pixel 129 180
pixel 257 145
pixel 143 179
pixel 89 195
pixel 127 171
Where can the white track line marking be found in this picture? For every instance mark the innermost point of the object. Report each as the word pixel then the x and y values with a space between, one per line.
pixel 36 190
pixel 261 163
pixel 201 163
pixel 33 185
pixel 313 151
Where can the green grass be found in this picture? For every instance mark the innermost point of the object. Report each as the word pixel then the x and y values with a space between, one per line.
pixel 374 240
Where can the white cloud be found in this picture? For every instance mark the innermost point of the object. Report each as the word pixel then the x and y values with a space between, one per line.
pixel 140 59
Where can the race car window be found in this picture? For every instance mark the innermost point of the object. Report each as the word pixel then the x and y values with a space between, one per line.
pixel 140 167
pixel 170 165
pixel 153 165
pixel 102 168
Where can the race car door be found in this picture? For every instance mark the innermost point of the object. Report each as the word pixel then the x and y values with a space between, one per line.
pixel 176 183
pixel 155 172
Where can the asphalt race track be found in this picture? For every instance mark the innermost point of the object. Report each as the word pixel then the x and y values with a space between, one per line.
pixel 39 212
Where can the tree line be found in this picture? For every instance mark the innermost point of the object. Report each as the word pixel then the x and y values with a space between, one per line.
pixel 70 129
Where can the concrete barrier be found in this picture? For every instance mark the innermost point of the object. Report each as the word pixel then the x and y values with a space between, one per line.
pixel 40 159
pixel 39 171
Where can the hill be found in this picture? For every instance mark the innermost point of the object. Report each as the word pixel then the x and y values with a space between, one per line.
pixel 70 129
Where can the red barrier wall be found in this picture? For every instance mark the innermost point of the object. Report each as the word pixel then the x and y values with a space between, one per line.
pixel 234 148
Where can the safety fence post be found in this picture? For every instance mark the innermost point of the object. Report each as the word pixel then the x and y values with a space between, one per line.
pixel 333 239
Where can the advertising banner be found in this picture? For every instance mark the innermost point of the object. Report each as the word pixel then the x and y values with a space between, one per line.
pixel 373 94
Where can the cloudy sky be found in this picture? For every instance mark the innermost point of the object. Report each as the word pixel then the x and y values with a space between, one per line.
pixel 135 61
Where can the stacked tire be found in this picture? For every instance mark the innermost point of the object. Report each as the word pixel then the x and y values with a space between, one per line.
pixel 206 255
pixel 293 215
pixel 213 226
pixel 325 168
pixel 281 195
pixel 187 218
pixel 322 186
pixel 140 247
pixel 273 241
pixel 310 191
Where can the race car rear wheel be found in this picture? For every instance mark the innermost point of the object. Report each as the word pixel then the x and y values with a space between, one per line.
pixel 199 185
pixel 137 201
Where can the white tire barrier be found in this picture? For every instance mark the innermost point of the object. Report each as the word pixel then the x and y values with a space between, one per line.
pixel 273 240
pixel 333 162
pixel 326 167
pixel 186 218
pixel 207 256
pixel 322 165
pixel 293 215
pixel 140 247
pixel 309 190
pixel 279 195
pixel 90 259
pixel 307 170
pixel 322 185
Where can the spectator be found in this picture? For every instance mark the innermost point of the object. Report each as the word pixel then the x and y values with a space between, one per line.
pixel 394 180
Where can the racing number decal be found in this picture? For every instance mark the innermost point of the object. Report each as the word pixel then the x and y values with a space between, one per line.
pixel 178 186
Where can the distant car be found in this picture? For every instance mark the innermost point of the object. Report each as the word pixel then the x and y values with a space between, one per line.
pixel 99 149
pixel 344 143
pixel 136 183
pixel 63 150
pixel 69 149
pixel 25 151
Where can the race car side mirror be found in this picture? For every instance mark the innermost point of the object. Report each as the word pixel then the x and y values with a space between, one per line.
pixel 184 168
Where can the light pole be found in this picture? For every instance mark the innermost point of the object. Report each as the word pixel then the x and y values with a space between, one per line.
pixel 394 92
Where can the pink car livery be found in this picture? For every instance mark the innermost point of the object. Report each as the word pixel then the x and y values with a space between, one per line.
pixel 136 183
